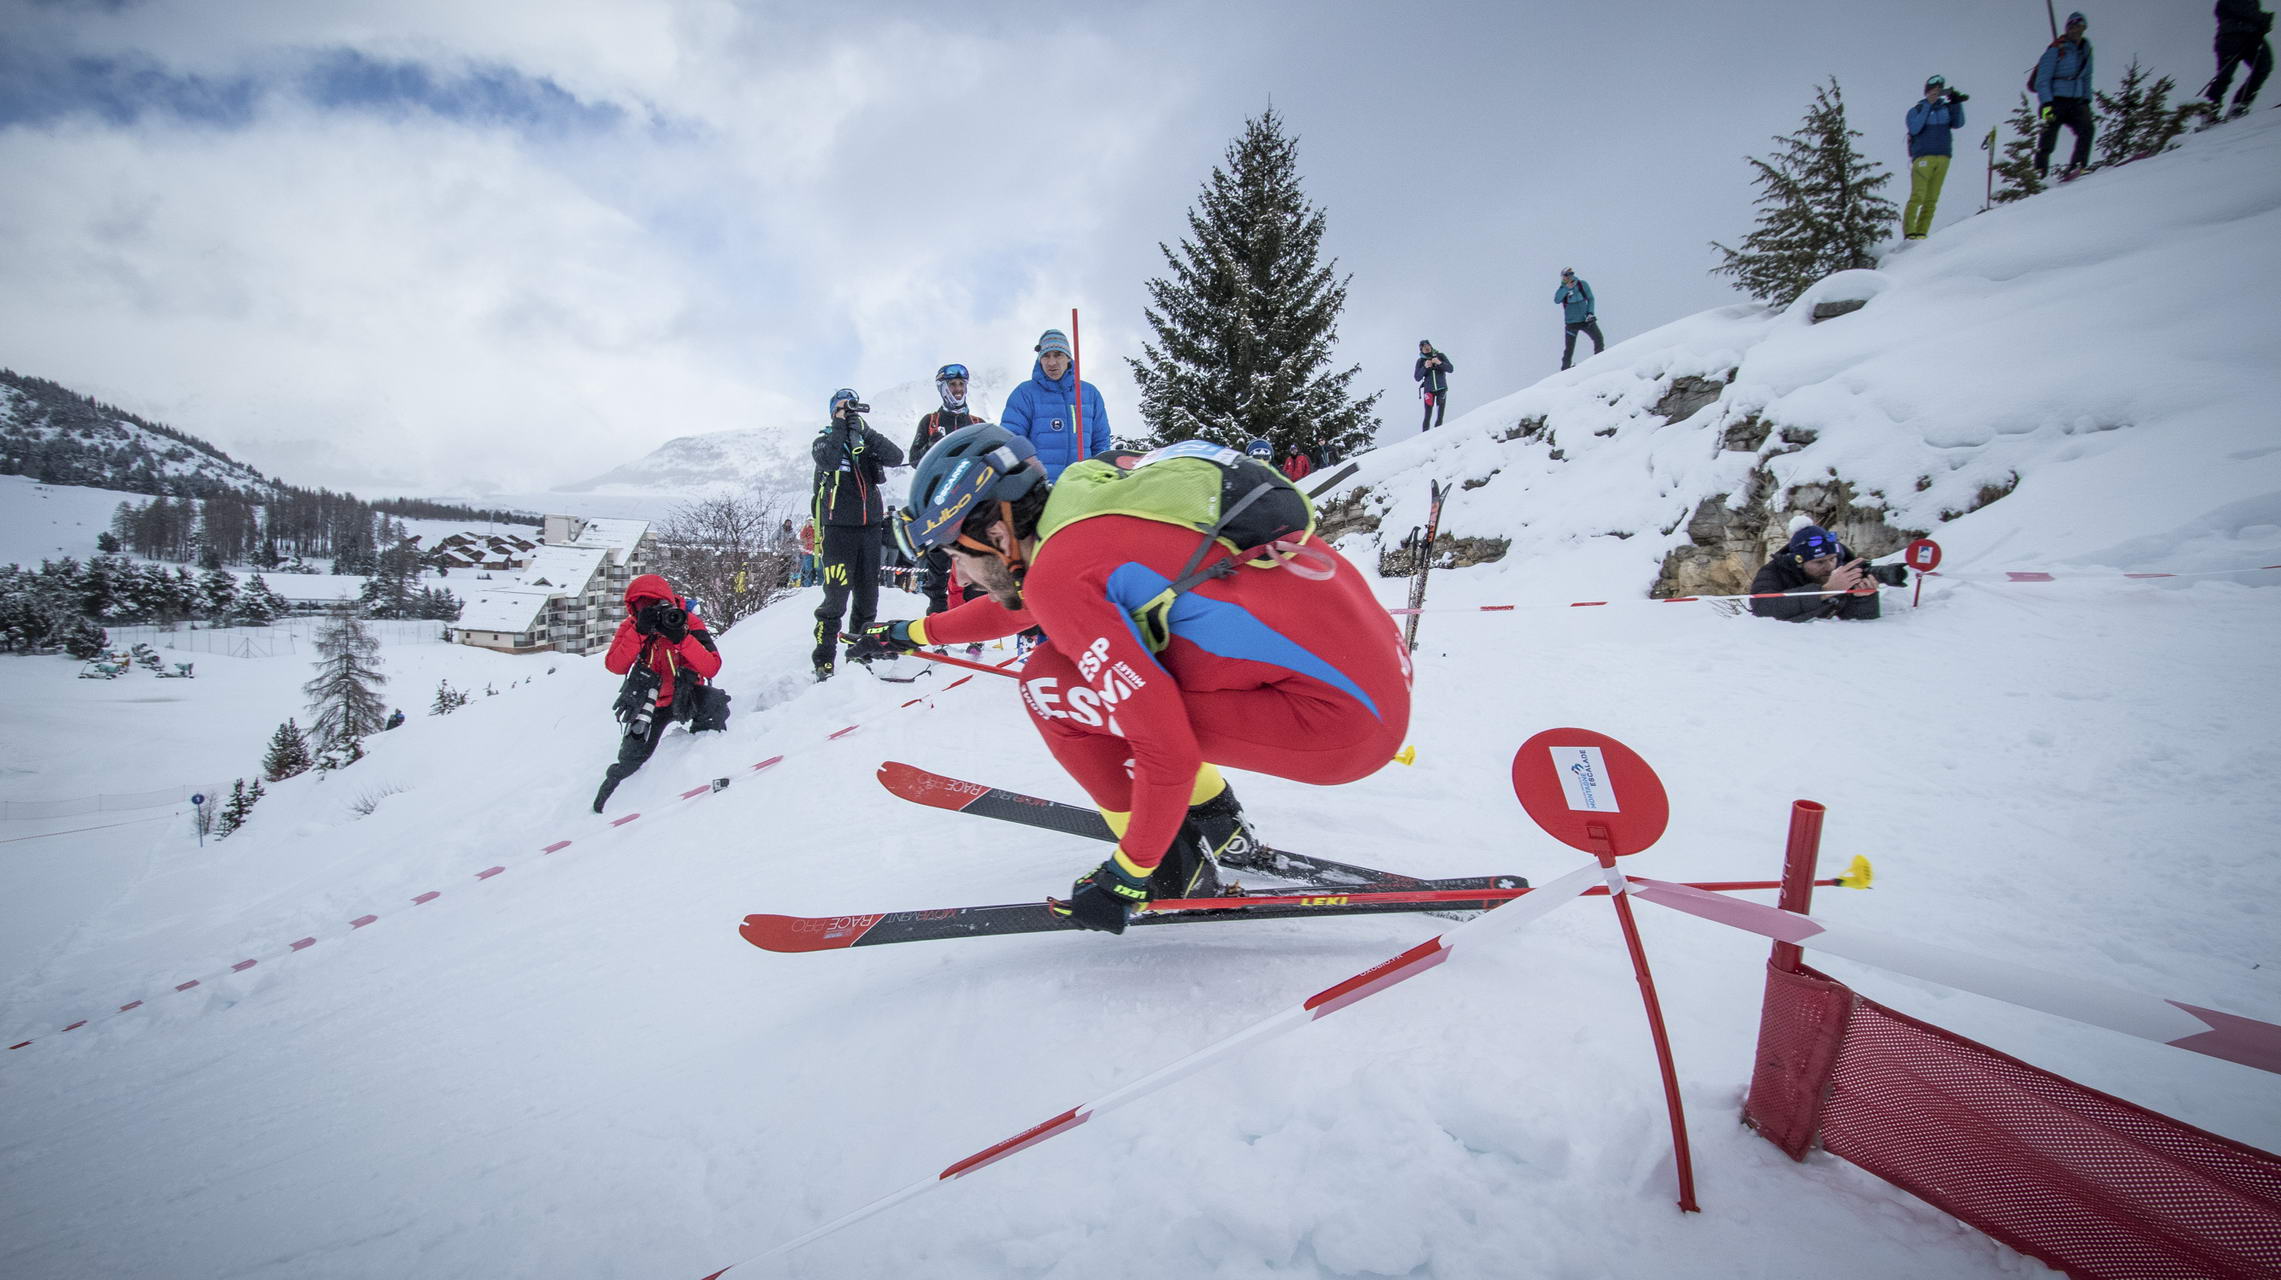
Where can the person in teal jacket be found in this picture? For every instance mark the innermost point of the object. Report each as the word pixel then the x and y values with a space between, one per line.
pixel 1931 121
pixel 2063 86
pixel 1432 377
pixel 1581 311
pixel 1043 410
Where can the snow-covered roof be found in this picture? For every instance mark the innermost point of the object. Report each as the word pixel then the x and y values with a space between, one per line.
pixel 516 604
pixel 612 535
pixel 503 606
pixel 561 571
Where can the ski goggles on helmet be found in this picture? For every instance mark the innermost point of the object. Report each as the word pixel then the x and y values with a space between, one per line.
pixel 950 371
pixel 1937 82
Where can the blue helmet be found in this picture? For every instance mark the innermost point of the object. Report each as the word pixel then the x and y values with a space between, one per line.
pixel 972 466
pixel 844 393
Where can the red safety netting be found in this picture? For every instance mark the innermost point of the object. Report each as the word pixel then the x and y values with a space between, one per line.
pixel 2091 1184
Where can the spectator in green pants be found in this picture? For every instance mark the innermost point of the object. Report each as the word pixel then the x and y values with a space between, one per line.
pixel 1931 122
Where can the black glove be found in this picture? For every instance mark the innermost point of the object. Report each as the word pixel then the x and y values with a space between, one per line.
pixel 1955 96
pixel 882 640
pixel 1101 899
pixel 645 623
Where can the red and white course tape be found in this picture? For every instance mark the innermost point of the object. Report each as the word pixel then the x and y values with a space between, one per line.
pixel 422 899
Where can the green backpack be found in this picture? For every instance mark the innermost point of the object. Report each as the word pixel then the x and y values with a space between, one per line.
pixel 1235 501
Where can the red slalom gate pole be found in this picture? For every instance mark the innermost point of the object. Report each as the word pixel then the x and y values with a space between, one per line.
pixel 1606 852
pixel 1798 882
pixel 1077 377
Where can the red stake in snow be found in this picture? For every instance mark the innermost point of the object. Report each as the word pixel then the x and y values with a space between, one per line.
pixel 1591 792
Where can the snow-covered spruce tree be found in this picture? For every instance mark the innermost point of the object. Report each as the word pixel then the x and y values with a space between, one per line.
pixel 344 698
pixel 2016 178
pixel 447 700
pixel 1244 325
pixel 1819 211
pixel 288 753
pixel 237 808
pixel 2137 120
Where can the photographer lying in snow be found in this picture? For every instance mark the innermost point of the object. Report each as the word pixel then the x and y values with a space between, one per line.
pixel 668 659
pixel 1814 561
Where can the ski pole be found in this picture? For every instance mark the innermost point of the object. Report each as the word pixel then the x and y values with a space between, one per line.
pixel 1856 877
pixel 967 663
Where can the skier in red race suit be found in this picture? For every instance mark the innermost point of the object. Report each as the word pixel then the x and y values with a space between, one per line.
pixel 1166 653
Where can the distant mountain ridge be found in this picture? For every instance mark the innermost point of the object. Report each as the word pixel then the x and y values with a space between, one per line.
pixel 57 436
pixel 773 461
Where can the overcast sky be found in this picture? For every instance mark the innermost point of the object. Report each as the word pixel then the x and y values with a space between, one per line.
pixel 434 246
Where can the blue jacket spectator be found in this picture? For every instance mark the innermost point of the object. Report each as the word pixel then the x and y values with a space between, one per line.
pixel 1929 126
pixel 2064 71
pixel 1044 409
pixel 1575 299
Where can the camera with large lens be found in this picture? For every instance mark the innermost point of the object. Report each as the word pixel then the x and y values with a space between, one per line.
pixel 854 407
pixel 668 617
pixel 1892 575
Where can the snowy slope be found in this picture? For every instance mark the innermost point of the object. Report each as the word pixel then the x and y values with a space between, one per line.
pixel 2110 344
pixel 576 1067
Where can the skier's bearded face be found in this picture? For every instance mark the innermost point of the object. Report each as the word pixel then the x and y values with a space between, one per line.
pixel 1819 568
pixel 993 573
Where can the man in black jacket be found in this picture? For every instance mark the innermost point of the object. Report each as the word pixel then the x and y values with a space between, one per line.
pixel 1814 562
pixel 851 460
pixel 1432 377
pixel 950 382
pixel 2242 25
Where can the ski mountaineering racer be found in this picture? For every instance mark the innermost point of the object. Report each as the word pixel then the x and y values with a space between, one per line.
pixel 1192 619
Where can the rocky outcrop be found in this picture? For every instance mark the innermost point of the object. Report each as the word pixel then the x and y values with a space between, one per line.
pixel 1337 517
pixel 1832 310
pixel 1727 543
pixel 1401 559
pixel 1688 396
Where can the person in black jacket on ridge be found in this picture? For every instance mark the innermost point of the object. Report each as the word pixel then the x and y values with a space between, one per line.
pixel 851 521
pixel 950 383
pixel 1432 377
pixel 2242 25
pixel 1814 561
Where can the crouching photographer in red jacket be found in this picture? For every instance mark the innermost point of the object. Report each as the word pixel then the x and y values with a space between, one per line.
pixel 668 659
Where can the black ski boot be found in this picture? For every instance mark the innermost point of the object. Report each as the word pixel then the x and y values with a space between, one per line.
pixel 602 797
pixel 1220 830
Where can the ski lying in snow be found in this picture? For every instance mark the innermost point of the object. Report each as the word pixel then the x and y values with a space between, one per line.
pixel 1341 474
pixel 916 784
pixel 832 933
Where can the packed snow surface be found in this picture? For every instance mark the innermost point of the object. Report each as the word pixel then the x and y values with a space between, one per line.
pixel 576 1067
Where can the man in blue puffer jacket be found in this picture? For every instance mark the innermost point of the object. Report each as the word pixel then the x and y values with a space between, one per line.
pixel 2063 86
pixel 1931 121
pixel 1044 409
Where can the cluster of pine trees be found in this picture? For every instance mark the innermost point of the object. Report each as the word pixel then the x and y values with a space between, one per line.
pixel 41 609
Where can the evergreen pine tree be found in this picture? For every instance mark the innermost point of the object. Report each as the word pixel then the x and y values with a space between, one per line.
pixel 1245 324
pixel 288 753
pixel 1819 211
pixel 217 594
pixel 447 700
pixel 2016 178
pixel 234 810
pixel 344 702
pixel 2137 120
